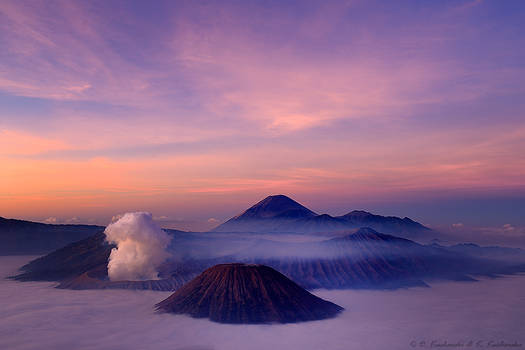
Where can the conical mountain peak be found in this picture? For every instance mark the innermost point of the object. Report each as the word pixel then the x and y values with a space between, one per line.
pixel 247 293
pixel 276 206
pixel 358 213
pixel 367 234
pixel 281 214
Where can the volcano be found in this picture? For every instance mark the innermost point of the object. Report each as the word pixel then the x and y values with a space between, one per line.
pixel 277 206
pixel 364 259
pixel 247 293
pixel 281 214
pixel 272 214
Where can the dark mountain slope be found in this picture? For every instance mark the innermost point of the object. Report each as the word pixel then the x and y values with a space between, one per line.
pixel 277 206
pixel 69 261
pixel 19 237
pixel 388 224
pixel 240 293
pixel 364 259
pixel 274 213
pixel 281 214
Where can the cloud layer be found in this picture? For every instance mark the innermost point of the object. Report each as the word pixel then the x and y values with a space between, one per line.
pixel 346 99
pixel 38 316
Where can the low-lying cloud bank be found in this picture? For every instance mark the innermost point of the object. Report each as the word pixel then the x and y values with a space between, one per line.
pixel 141 247
pixel 34 315
pixel 504 235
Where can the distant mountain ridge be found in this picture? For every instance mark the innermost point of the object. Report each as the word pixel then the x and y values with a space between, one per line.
pixel 279 214
pixel 277 206
pixel 362 259
pixel 27 237
pixel 21 237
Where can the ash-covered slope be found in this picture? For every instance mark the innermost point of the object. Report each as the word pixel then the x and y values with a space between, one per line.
pixel 241 293
pixel 69 261
pixel 83 265
pixel 281 214
pixel 372 260
pixel 362 259
pixel 18 237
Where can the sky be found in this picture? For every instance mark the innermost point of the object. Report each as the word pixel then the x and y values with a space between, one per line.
pixel 196 110
pixel 485 313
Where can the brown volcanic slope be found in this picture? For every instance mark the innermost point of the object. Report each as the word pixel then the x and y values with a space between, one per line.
pixel 247 293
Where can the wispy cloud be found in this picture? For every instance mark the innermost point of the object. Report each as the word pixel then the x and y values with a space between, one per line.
pixel 356 99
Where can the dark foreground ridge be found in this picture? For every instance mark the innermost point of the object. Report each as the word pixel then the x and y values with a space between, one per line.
pixel 247 293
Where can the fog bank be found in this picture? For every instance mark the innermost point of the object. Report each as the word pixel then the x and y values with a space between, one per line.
pixel 33 315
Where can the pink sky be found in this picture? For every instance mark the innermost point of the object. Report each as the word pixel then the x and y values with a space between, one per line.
pixel 194 111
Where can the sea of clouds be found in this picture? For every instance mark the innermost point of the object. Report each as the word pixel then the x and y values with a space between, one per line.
pixel 34 315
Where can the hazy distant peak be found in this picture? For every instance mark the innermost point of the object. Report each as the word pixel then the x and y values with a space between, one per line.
pixel 367 234
pixel 358 213
pixel 276 206
pixel 279 213
pixel 362 232
pixel 366 231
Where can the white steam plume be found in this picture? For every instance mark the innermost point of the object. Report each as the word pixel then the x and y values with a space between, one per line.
pixel 141 247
